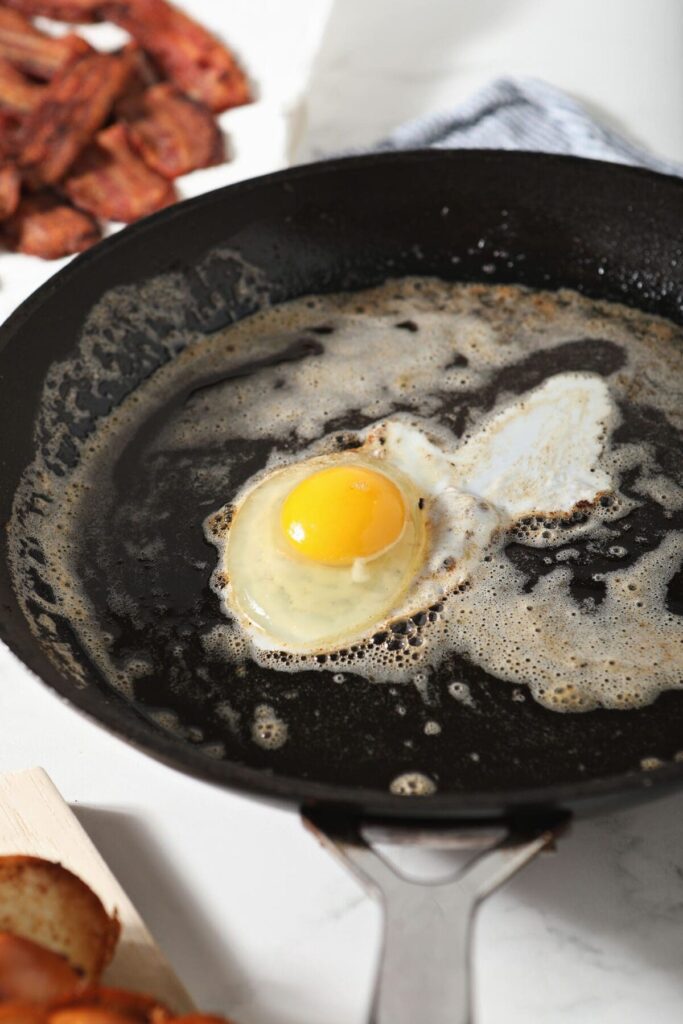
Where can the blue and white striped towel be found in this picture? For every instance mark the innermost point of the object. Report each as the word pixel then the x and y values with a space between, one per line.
pixel 524 113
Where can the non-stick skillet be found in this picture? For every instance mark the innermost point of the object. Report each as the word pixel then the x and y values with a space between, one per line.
pixel 611 232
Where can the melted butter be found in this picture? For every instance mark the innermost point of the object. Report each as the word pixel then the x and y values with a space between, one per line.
pixel 477 348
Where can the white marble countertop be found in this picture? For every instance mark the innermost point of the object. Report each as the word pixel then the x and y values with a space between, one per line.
pixel 259 921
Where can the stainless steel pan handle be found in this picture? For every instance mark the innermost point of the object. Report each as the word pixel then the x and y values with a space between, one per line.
pixel 425 970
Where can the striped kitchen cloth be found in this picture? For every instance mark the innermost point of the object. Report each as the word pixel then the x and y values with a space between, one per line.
pixel 524 113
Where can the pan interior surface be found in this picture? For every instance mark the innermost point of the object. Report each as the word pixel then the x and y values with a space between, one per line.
pixel 141 554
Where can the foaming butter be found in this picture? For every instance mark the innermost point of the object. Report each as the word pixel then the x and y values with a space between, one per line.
pixel 554 423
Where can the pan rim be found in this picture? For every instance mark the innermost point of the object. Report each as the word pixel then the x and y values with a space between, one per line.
pixel 183 208
pixel 271 785
pixel 454 806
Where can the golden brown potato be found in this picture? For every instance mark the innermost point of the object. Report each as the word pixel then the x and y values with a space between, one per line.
pixel 47 904
pixel 127 1005
pixel 29 971
pixel 90 1015
pixel 200 1018
pixel 22 1013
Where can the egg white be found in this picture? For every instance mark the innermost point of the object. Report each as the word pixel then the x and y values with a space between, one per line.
pixel 536 456
pixel 288 602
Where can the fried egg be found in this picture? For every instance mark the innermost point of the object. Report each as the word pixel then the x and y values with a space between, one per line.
pixel 328 550
pixel 321 550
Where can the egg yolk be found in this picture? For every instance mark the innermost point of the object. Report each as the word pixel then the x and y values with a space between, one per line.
pixel 343 513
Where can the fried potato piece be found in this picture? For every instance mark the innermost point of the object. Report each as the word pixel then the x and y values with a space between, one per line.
pixel 61 10
pixel 172 133
pixel 90 1015
pixel 22 1013
pixel 18 93
pixel 184 50
pixel 128 1006
pixel 75 104
pixel 200 1018
pixel 34 52
pixel 29 971
pixel 39 900
pixel 10 189
pixel 110 180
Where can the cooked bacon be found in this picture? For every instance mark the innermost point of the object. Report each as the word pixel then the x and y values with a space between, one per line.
pixel 44 225
pixel 185 51
pixel 10 135
pixel 157 97
pixel 110 180
pixel 10 189
pixel 172 133
pixel 141 75
pixel 34 52
pixel 61 10
pixel 142 72
pixel 75 104
pixel 18 93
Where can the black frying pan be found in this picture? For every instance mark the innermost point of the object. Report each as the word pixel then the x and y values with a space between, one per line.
pixel 611 232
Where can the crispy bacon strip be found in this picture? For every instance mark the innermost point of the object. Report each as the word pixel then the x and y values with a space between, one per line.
pixel 172 133
pixel 110 180
pixel 10 189
pixel 141 75
pixel 44 225
pixel 18 94
pixel 61 10
pixel 142 72
pixel 10 136
pixel 185 51
pixel 75 104
pixel 34 52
